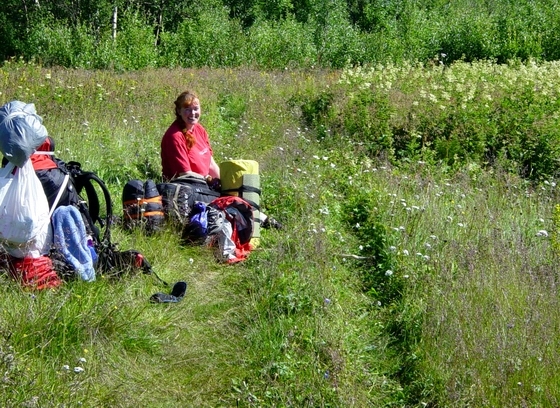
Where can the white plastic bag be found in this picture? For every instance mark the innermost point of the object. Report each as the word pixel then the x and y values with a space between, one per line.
pixel 21 131
pixel 24 212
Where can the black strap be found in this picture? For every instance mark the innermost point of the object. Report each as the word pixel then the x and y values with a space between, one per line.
pixel 242 189
pixel 147 268
pixel 83 180
pixel 253 204
pixel 189 180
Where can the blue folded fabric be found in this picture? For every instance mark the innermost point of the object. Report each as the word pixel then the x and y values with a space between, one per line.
pixel 71 239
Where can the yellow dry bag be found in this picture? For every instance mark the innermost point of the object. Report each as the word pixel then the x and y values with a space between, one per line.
pixel 241 178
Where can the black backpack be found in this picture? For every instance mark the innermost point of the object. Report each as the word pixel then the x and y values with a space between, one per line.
pixel 69 184
pixel 180 195
pixel 142 206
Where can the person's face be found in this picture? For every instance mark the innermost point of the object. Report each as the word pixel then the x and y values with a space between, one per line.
pixel 191 113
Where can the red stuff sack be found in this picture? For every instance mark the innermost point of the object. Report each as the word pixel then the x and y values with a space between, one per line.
pixel 35 273
pixel 234 237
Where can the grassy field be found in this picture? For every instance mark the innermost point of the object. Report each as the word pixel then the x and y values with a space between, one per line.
pixel 403 277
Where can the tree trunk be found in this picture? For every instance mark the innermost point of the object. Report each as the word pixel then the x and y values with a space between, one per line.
pixel 115 23
pixel 159 29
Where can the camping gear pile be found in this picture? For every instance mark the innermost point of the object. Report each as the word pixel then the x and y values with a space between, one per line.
pixel 52 227
pixel 223 214
pixel 48 231
pixel 25 233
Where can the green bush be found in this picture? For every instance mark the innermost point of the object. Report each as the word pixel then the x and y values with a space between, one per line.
pixel 280 45
pixel 366 119
pixel 56 43
pixel 336 40
pixel 209 39
pixel 469 39
pixel 134 46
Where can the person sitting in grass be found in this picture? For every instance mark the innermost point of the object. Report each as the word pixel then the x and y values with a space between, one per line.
pixel 185 148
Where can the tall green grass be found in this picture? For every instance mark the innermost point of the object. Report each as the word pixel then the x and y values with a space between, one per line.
pixel 403 277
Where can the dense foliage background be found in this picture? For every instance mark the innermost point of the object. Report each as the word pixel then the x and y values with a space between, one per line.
pixel 131 34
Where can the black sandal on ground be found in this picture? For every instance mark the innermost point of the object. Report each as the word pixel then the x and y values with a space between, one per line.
pixel 176 295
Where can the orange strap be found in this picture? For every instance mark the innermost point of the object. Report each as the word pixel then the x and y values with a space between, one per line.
pixel 156 199
pixel 152 213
